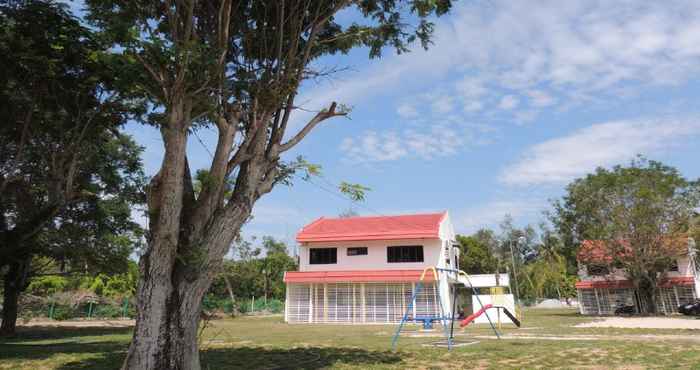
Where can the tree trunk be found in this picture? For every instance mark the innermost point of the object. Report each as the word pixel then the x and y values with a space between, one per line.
pixel 647 296
pixel 165 336
pixel 177 269
pixel 15 282
pixel 230 293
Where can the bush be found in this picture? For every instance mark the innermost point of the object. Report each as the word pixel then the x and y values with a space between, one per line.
pixel 47 285
pixel 61 312
pixel 107 311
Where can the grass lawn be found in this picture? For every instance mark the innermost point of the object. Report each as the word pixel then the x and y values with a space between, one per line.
pixel 547 340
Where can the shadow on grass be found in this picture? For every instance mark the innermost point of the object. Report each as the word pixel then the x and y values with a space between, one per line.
pixel 293 358
pixel 105 346
pixel 64 332
pixel 108 353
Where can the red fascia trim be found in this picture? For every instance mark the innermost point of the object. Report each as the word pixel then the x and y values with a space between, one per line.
pixel 621 284
pixel 355 276
pixel 617 284
pixel 677 281
pixel 363 237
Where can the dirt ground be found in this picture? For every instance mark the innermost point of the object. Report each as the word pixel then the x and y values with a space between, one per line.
pixel 643 323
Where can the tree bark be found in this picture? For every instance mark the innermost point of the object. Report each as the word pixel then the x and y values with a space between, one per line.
pixel 183 254
pixel 647 295
pixel 14 284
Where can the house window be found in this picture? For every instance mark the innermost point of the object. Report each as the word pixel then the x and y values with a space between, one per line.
pixel 404 253
pixel 598 270
pixel 674 266
pixel 357 251
pixel 323 256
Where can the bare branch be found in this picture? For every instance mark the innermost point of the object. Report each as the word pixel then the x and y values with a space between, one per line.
pixel 318 118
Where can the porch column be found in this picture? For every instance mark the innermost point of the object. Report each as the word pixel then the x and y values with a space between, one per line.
pixel 363 308
pixel 325 302
pixel 387 302
pixel 675 292
pixel 415 301
pixel 312 297
pixel 353 303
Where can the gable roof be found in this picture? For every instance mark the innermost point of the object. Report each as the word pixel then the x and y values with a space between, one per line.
pixel 416 226
pixel 599 251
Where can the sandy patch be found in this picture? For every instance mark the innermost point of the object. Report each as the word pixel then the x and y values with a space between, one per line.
pixel 643 323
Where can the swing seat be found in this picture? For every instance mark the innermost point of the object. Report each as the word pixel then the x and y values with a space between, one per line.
pixel 427 321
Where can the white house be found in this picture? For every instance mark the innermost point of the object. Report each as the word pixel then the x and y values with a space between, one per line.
pixel 601 288
pixel 365 269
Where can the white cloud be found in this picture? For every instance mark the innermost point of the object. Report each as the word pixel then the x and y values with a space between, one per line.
pixel 490 214
pixel 563 159
pixel 407 111
pixel 540 98
pixel 441 104
pixel 371 146
pixel 508 102
pixel 276 215
pixel 541 52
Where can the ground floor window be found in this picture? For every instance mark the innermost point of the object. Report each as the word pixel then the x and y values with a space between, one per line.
pixel 358 302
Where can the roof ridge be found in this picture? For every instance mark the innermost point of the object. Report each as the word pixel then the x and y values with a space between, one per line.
pixel 386 216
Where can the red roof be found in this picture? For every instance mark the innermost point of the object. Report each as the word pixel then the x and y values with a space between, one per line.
pixel 420 226
pixel 619 284
pixel 599 251
pixel 355 276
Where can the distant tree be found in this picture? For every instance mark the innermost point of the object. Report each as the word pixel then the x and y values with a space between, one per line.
pixel 236 66
pixel 257 274
pixel 546 274
pixel 475 255
pixel 639 217
pixel 68 178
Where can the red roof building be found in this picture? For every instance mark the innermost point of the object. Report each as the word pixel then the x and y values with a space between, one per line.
pixel 365 269
pixel 602 287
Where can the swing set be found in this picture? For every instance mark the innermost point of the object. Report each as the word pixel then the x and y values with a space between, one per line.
pixel 448 322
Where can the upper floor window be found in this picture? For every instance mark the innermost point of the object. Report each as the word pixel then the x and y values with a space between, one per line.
pixel 674 266
pixel 357 251
pixel 404 253
pixel 323 256
pixel 598 270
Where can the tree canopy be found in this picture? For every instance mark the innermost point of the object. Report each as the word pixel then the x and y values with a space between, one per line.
pixel 68 177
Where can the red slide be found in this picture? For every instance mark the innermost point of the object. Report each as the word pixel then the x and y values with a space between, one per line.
pixel 473 316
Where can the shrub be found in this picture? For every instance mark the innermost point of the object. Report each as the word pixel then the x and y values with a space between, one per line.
pixel 61 312
pixel 47 285
pixel 107 311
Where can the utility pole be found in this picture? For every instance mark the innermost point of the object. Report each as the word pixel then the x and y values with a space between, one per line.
pixel 515 271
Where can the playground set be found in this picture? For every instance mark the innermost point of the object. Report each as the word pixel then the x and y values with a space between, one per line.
pixel 456 278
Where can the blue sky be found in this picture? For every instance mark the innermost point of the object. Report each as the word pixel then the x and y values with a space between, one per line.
pixel 514 100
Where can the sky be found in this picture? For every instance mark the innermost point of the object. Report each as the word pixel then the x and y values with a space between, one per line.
pixel 513 100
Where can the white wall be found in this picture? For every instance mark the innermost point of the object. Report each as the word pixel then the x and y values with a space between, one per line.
pixel 505 300
pixel 376 258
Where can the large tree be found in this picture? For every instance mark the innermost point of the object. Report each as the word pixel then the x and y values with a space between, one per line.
pixel 67 176
pixel 235 66
pixel 637 218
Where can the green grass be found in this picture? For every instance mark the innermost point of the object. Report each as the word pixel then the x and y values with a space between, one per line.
pixel 268 343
